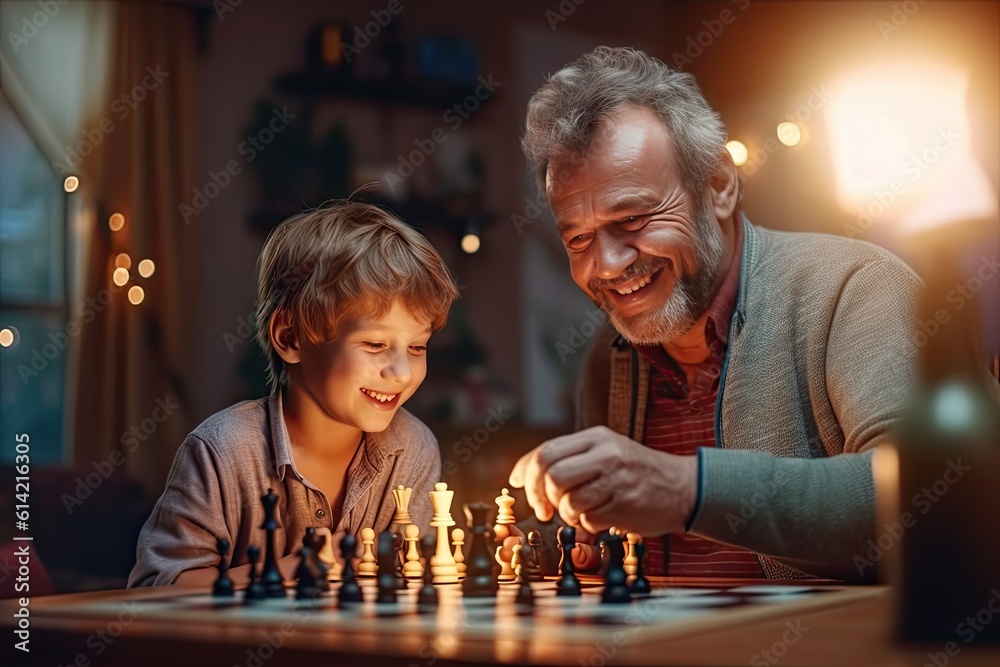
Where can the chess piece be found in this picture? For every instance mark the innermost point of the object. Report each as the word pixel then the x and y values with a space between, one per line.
pixel 631 561
pixel 412 569
pixel 443 562
pixel 307 586
pixel 255 590
pixel 640 585
pixel 568 584
pixel 368 567
pixel 401 495
pixel 397 550
pixel 387 562
pixel 223 586
pixel 524 592
pixel 458 540
pixel 602 552
pixel 349 589
pixel 615 590
pixel 530 557
pixel 270 578
pixel 505 509
pixel 315 543
pixel 428 594
pixel 479 579
pixel 504 553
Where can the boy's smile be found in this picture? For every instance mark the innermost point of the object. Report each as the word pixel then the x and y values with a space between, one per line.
pixel 359 379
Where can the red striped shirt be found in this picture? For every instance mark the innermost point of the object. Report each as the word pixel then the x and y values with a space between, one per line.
pixel 680 417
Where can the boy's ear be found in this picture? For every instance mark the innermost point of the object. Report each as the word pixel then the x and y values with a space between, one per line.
pixel 283 338
pixel 724 187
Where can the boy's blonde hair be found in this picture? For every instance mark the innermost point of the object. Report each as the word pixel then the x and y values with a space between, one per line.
pixel 339 261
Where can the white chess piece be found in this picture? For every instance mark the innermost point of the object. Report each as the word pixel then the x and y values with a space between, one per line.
pixel 368 567
pixel 401 495
pixel 458 539
pixel 443 562
pixel 631 558
pixel 412 569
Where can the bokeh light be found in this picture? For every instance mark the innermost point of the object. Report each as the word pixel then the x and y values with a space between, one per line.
pixel 146 268
pixel 8 336
pixel 120 276
pixel 470 243
pixel 789 133
pixel 123 261
pixel 136 295
pixel 71 183
pixel 739 152
pixel 116 221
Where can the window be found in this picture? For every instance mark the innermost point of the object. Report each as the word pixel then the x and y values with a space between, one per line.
pixel 32 295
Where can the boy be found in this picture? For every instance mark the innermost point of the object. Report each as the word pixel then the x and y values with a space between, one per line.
pixel 348 297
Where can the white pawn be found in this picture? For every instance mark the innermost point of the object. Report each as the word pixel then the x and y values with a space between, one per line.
pixel 412 569
pixel 443 562
pixel 458 539
pixel 631 558
pixel 368 567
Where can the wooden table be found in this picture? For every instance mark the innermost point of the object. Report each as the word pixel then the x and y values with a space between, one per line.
pixel 845 626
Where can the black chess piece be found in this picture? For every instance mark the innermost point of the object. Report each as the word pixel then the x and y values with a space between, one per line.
pixel 602 550
pixel 308 585
pixel 530 561
pixel 255 590
pixel 428 594
pixel 349 589
pixel 524 593
pixel 315 543
pixel 615 588
pixel 271 578
pixel 387 561
pixel 398 544
pixel 568 584
pixel 223 587
pixel 480 579
pixel 640 585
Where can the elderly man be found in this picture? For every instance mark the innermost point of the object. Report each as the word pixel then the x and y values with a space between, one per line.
pixel 730 414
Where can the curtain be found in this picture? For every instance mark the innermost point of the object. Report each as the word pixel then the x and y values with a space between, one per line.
pixel 131 387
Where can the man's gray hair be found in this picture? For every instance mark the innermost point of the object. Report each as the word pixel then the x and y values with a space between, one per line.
pixel 575 101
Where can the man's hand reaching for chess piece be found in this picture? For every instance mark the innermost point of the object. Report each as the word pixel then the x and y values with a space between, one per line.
pixel 598 478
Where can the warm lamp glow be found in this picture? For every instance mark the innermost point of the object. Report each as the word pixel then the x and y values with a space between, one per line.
pixel 71 183
pixel 6 337
pixel 470 243
pixel 739 152
pixel 120 276
pixel 123 261
pixel 900 139
pixel 116 221
pixel 136 295
pixel 789 133
pixel 146 268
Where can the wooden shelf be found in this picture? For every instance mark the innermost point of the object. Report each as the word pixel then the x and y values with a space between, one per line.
pixel 419 93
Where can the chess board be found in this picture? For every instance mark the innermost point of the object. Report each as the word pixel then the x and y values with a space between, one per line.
pixel 502 629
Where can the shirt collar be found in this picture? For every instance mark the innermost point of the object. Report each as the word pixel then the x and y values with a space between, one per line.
pixel 376 446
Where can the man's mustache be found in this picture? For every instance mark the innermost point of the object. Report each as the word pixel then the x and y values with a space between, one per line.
pixel 640 268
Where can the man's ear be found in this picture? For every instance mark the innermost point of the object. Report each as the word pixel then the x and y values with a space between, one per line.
pixel 283 338
pixel 724 187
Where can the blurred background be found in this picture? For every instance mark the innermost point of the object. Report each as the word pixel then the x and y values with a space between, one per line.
pixel 147 148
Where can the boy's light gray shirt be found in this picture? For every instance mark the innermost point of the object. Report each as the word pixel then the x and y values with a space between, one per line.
pixel 228 462
pixel 820 363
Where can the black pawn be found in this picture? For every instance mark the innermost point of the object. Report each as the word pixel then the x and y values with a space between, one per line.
pixel 524 593
pixel 480 580
pixel 255 590
pixel 640 585
pixel 315 544
pixel 568 585
pixel 615 588
pixel 223 587
pixel 387 561
pixel 398 547
pixel 349 589
pixel 530 561
pixel 271 578
pixel 428 594
pixel 308 585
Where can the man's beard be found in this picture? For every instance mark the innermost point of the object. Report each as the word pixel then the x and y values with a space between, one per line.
pixel 689 299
